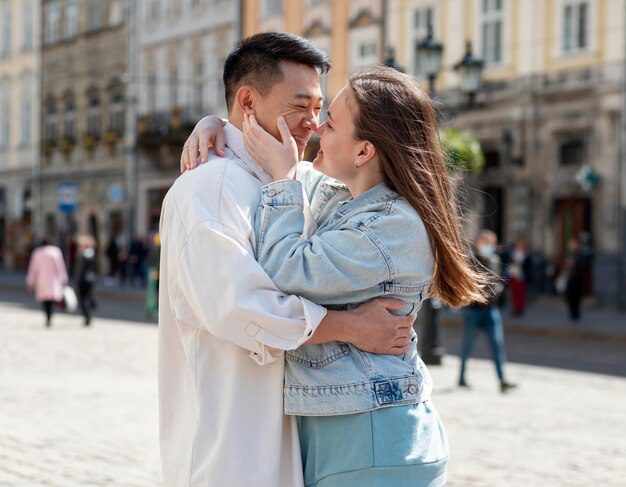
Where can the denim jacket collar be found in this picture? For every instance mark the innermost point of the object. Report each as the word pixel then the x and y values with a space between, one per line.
pixel 378 194
pixel 234 141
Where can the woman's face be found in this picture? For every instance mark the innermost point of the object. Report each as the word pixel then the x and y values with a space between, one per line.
pixel 338 147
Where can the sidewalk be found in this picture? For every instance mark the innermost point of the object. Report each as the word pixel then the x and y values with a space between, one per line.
pixel 16 281
pixel 547 315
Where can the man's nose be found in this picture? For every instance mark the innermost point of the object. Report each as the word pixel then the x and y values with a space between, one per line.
pixel 311 121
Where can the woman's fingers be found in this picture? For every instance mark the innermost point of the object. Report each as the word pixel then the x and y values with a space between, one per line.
pixel 285 134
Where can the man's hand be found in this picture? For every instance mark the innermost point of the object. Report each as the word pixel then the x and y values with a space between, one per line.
pixel 207 133
pixel 371 327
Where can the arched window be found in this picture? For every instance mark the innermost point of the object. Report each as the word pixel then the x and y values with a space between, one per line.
pixel 51 121
pixel 93 113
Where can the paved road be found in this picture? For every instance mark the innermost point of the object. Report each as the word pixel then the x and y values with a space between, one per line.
pixel 78 408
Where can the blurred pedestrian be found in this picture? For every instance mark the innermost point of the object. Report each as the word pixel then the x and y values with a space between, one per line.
pixel 86 275
pixel 112 253
pixel 137 254
pixel 519 261
pixel 575 268
pixel 486 317
pixel 47 276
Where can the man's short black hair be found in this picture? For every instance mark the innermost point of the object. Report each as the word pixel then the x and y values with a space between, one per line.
pixel 255 61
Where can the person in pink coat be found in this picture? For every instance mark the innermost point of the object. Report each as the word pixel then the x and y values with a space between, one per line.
pixel 47 276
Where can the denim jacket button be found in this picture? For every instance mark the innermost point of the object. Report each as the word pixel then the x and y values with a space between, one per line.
pixel 412 389
pixel 271 193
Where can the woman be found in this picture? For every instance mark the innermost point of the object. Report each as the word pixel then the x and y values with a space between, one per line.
pixel 47 276
pixel 391 229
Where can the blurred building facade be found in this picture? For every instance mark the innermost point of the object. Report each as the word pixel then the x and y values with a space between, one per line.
pixel 183 46
pixel 81 177
pixel 548 116
pixel 19 126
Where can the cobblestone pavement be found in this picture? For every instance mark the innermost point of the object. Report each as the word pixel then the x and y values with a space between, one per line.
pixel 78 407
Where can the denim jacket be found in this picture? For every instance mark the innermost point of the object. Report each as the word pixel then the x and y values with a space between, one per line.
pixel 372 246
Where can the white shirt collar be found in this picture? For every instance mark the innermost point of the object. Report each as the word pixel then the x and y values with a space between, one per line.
pixel 234 141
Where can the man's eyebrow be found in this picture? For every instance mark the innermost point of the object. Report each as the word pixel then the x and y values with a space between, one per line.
pixel 306 96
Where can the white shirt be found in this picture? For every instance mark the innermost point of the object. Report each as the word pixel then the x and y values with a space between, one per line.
pixel 223 326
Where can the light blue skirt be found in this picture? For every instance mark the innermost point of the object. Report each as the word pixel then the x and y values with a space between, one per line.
pixel 390 447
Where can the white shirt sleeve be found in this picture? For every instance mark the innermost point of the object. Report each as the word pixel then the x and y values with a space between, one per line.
pixel 221 288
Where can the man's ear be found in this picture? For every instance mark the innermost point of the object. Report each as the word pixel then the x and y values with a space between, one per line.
pixel 245 99
pixel 365 153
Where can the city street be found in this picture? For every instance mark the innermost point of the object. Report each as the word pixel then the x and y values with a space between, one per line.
pixel 78 406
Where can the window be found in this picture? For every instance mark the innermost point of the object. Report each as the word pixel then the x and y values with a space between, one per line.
pixel 575 26
pixel 175 7
pixel 69 129
pixel 93 117
pixel 71 19
pixel 116 14
pixel 173 86
pixel 116 122
pixel 5 106
pixel 50 129
pixel 154 10
pixel 573 151
pixel 52 22
pixel 95 14
pixel 27 109
pixel 273 7
pixel 422 18
pixel 366 53
pixel 492 27
pixel 198 87
pixel 5 12
pixel 151 93
pixel 492 159
pixel 27 25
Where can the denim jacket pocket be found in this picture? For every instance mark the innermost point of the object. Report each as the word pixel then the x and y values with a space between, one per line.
pixel 318 356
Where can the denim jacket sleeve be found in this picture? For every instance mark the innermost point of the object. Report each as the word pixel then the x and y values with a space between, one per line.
pixel 326 265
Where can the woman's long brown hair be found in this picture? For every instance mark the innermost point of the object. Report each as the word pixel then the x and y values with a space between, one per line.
pixel 395 114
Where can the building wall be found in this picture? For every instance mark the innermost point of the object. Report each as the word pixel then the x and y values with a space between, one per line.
pixel 534 100
pixel 19 126
pixel 183 46
pixel 84 76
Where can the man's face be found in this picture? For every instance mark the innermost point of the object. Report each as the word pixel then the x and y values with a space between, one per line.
pixel 298 98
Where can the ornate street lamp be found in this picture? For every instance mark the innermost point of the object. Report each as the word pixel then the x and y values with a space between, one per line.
pixel 390 60
pixel 470 71
pixel 429 53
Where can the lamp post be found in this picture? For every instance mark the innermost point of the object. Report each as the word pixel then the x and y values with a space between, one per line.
pixel 390 60
pixel 470 71
pixel 429 53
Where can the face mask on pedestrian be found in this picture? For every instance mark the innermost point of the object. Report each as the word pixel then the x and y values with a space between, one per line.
pixel 487 250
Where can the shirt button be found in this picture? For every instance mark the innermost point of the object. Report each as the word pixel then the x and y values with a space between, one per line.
pixel 412 389
pixel 271 193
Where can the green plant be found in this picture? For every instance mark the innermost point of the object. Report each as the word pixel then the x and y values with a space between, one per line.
pixel 463 150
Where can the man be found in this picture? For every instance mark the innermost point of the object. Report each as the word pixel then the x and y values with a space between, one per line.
pixel 486 317
pixel 221 317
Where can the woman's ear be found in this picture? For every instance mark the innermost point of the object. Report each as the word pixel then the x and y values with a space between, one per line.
pixel 245 99
pixel 365 153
